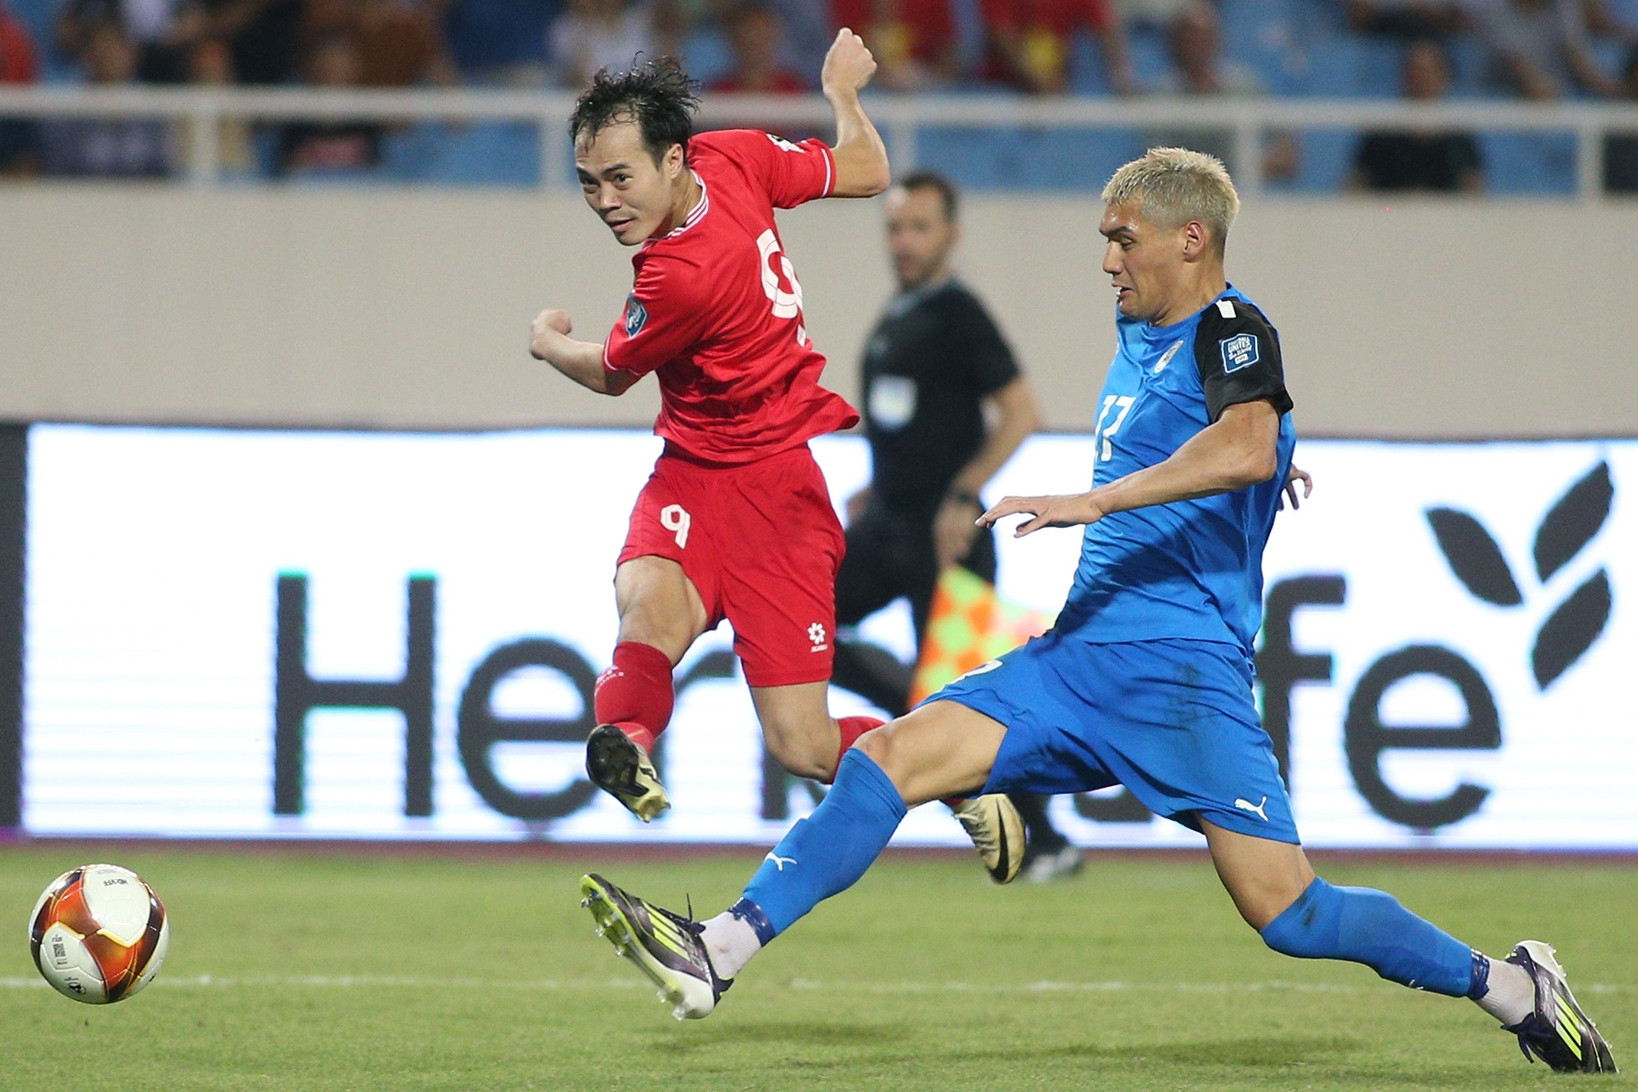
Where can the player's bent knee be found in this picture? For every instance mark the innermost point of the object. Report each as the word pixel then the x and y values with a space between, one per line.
pixel 1308 928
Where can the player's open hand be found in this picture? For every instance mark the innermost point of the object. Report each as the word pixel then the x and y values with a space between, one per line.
pixel 848 64
pixel 1291 479
pixel 1067 511
pixel 548 326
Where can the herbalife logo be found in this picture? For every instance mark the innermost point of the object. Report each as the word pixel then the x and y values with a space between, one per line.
pixel 1571 620
pixel 1574 623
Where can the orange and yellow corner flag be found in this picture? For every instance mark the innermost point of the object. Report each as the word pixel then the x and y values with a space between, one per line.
pixel 968 625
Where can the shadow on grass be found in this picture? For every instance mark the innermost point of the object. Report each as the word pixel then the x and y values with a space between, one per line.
pixel 855 1045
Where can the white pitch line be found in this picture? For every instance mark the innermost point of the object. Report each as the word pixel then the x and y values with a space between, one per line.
pixel 366 981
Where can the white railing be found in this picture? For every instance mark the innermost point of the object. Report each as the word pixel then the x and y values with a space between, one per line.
pixel 201 110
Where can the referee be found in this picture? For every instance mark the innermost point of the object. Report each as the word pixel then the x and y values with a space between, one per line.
pixel 933 365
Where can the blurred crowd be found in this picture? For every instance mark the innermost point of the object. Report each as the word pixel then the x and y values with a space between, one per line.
pixel 1526 49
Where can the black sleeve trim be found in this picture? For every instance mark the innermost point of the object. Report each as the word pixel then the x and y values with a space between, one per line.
pixel 1238 355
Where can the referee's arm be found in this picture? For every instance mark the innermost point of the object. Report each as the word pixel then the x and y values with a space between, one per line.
pixel 1017 417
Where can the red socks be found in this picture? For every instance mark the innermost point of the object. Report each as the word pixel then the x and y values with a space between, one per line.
pixel 636 693
pixel 852 729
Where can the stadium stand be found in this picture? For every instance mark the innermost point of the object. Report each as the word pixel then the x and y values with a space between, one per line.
pixel 1294 50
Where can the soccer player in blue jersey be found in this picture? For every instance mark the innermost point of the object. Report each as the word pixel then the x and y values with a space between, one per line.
pixel 1146 678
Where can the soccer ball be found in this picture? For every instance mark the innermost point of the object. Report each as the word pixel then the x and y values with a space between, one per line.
pixel 98 934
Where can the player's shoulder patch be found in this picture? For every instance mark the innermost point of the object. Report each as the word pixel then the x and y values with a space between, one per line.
pixel 1239 351
pixel 1233 335
pixel 636 315
pixel 781 142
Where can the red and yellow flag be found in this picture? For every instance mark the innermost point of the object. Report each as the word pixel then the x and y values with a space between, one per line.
pixel 969 624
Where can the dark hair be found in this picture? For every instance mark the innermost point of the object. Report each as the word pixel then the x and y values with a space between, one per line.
pixel 932 180
pixel 656 94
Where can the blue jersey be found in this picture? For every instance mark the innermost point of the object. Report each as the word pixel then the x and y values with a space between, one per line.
pixel 1190 569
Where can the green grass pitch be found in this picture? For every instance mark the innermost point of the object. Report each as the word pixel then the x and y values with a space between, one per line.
pixel 370 969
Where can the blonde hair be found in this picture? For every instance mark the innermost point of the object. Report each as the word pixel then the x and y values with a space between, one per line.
pixel 1173 186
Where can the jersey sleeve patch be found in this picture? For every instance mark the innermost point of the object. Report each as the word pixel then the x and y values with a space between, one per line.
pixel 1239 351
pixel 1238 356
pixel 664 315
pixel 636 316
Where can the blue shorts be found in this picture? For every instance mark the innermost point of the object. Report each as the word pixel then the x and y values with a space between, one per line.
pixel 1172 720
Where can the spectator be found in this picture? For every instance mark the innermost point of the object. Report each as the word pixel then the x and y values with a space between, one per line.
pixel 1538 48
pixel 19 137
pixel 1617 19
pixel 595 34
pixel 322 147
pixel 756 34
pixel 399 41
pixel 210 64
pixel 1621 148
pixel 500 42
pixel 1410 161
pixel 264 36
pixel 115 147
pixel 914 41
pixel 1200 69
pixel 1415 19
pixel 1030 42
pixel 163 32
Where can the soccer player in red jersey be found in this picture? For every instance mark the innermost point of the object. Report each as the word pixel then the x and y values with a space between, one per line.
pixel 736 520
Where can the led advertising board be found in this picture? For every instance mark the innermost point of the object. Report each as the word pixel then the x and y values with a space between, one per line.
pixel 336 635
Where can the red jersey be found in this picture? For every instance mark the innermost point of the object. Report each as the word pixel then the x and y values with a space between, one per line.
pixel 716 310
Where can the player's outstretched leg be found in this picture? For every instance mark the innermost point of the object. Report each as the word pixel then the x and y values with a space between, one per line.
pixel 1556 1030
pixel 665 946
pixel 619 766
pixel 997 830
pixel 1527 991
pixel 694 962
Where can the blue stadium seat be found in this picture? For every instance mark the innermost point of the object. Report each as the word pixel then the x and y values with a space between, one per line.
pixel 38 16
pixel 975 159
pixel 1352 67
pixel 1151 55
pixel 1467 68
pixel 1532 164
pixel 488 153
pixel 1325 160
pixel 706 56
pixel 1024 158
pixel 1266 35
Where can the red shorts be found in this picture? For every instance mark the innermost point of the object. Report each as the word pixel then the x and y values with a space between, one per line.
pixel 761 543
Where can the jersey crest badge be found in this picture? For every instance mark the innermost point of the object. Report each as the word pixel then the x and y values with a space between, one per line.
pixel 636 315
pixel 1239 351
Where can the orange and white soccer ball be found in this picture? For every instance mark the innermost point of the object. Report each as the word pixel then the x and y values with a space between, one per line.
pixel 98 934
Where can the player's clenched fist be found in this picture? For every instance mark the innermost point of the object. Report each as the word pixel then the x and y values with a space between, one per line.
pixel 549 325
pixel 848 65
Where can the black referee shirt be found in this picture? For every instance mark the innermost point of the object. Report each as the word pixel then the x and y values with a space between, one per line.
pixel 933 357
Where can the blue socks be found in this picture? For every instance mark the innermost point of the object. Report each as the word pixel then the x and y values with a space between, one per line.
pixel 1370 927
pixel 827 852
